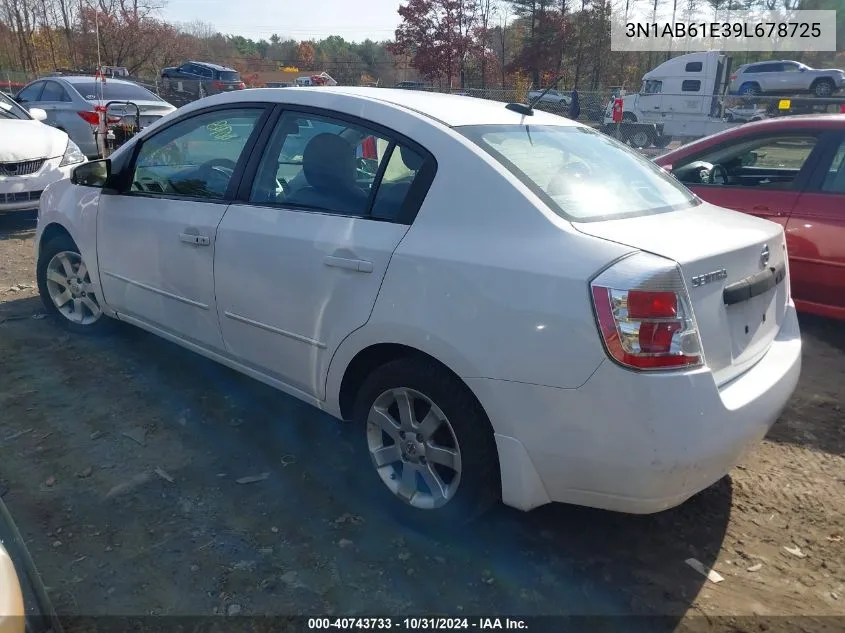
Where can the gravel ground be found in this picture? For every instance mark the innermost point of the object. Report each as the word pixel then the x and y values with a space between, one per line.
pixel 119 460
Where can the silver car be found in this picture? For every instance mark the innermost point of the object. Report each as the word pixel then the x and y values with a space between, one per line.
pixel 70 101
pixel 785 77
pixel 552 97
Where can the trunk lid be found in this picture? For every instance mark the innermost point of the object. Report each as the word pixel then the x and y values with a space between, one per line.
pixel 151 111
pixel 715 249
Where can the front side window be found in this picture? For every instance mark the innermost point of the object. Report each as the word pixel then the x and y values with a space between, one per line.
pixel 31 93
pixel 320 163
pixel 691 85
pixel 196 157
pixel 582 175
pixel 771 162
pixel 652 87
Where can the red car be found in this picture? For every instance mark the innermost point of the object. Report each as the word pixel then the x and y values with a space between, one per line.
pixel 790 170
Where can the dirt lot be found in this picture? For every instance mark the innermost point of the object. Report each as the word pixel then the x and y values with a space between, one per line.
pixel 119 460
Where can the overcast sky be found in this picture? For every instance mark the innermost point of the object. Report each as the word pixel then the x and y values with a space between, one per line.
pixel 354 20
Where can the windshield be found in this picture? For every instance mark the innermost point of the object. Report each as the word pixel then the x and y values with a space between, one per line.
pixel 582 174
pixel 111 91
pixel 11 110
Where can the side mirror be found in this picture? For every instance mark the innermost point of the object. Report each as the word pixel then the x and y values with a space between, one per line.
pixel 93 174
pixel 38 114
pixel 802 70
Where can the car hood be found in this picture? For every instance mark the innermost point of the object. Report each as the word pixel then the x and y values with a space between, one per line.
pixel 30 140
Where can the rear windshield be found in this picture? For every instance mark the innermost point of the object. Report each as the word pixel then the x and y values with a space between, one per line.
pixel 228 75
pixel 111 91
pixel 582 174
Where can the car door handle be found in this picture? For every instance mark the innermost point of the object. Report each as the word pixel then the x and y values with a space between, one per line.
pixel 358 265
pixel 196 240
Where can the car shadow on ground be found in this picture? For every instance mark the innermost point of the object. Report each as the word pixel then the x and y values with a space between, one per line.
pixel 814 416
pixel 18 225
pixel 556 560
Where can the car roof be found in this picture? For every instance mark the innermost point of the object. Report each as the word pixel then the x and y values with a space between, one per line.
pixel 778 124
pixel 87 79
pixel 452 110
pixel 212 66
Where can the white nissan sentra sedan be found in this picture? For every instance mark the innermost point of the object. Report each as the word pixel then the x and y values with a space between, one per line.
pixel 507 305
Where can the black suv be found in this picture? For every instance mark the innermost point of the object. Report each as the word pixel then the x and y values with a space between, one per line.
pixel 195 80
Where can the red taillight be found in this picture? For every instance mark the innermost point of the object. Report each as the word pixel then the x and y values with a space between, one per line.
pixel 241 86
pixel 90 117
pixel 217 85
pixel 644 325
pixel 733 77
pixel 648 304
pixel 94 118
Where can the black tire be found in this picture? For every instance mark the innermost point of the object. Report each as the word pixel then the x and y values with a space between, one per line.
pixel 641 138
pixel 102 326
pixel 479 488
pixel 824 88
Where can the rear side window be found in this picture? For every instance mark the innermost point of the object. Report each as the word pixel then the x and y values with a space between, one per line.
pixel 694 67
pixel 319 163
pixel 581 174
pixel 691 85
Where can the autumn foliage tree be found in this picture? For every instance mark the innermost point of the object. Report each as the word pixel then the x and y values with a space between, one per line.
pixel 306 54
pixel 439 37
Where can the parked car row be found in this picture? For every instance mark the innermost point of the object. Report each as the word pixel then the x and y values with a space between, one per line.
pixel 70 104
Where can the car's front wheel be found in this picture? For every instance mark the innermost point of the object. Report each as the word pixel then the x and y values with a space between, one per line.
pixel 67 293
pixel 430 444
pixel 824 88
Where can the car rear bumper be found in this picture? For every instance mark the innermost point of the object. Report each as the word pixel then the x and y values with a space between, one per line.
pixel 632 442
pixel 22 193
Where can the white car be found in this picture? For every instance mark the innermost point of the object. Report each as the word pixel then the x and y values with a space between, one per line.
pixel 32 155
pixel 510 306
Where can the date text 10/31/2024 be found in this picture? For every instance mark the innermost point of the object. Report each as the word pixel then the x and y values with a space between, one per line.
pixel 418 623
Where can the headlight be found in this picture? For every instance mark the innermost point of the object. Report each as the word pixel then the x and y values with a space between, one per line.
pixel 72 155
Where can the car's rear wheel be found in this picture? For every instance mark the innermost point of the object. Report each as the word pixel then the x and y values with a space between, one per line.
pixel 430 445
pixel 750 89
pixel 67 293
pixel 641 138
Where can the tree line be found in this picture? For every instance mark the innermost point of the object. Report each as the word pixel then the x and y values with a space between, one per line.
pixel 457 44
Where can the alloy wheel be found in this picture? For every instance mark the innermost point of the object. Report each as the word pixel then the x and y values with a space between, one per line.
pixel 70 289
pixel 414 448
